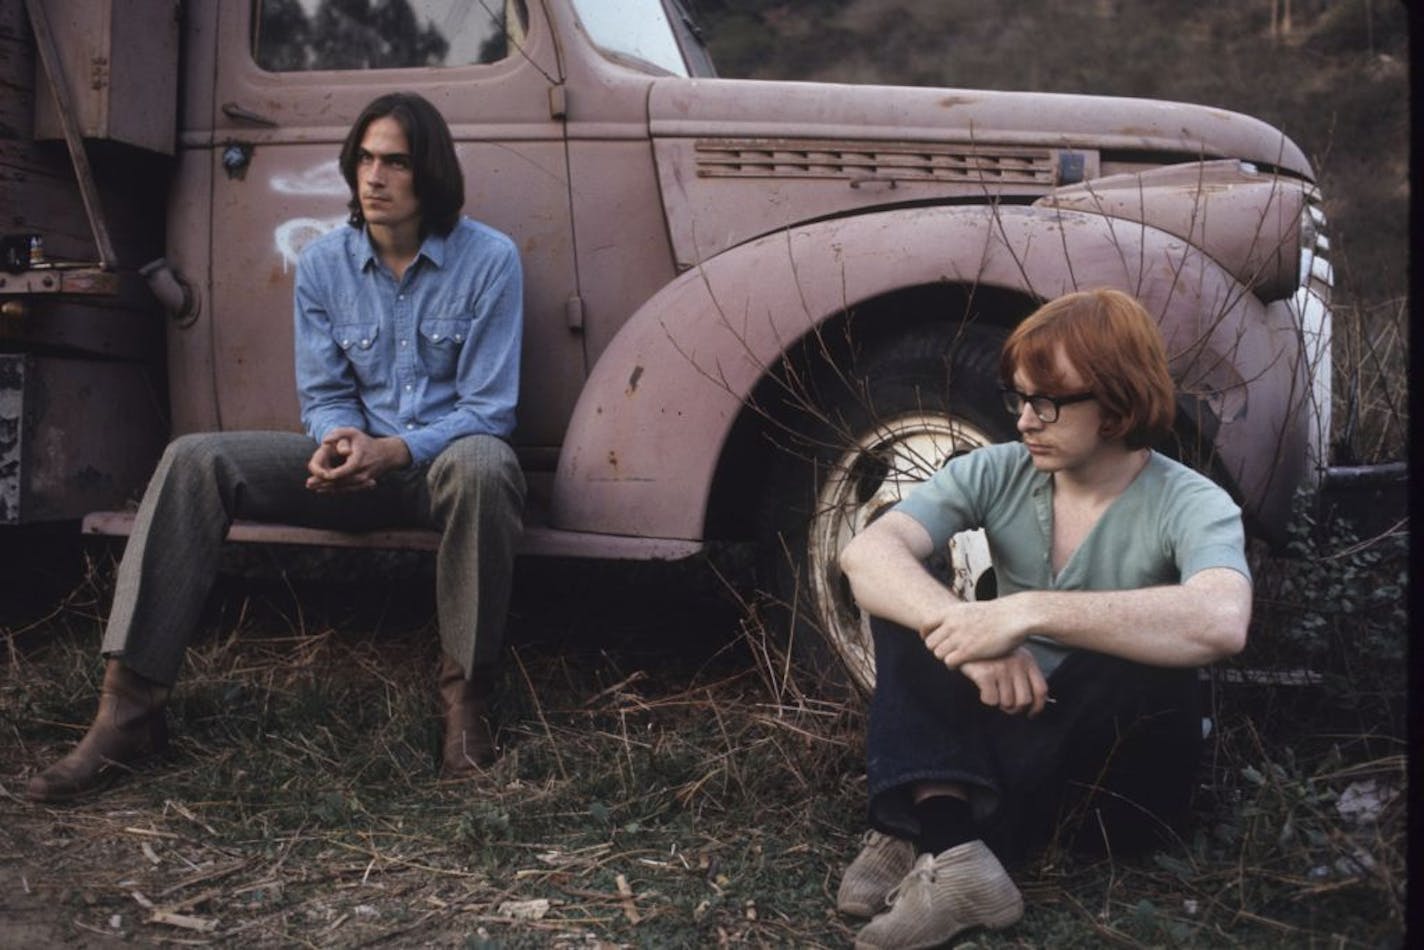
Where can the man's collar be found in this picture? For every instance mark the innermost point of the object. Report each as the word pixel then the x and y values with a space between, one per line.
pixel 432 249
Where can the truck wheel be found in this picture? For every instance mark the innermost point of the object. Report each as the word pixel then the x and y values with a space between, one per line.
pixel 907 409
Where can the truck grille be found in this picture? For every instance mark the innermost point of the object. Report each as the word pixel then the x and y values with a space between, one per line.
pixel 1312 307
pixel 808 158
pixel 1316 274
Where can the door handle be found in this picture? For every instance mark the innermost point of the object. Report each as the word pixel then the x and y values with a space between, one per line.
pixel 234 111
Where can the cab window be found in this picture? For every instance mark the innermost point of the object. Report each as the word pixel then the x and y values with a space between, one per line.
pixel 308 35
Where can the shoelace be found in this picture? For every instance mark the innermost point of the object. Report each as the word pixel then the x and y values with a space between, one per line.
pixel 921 874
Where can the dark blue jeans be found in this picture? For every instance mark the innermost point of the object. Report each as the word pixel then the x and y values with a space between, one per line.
pixel 1116 753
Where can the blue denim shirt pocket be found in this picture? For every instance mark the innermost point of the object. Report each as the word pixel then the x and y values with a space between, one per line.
pixel 358 344
pixel 441 339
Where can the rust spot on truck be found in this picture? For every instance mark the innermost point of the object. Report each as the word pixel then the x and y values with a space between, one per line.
pixel 633 378
pixel 949 102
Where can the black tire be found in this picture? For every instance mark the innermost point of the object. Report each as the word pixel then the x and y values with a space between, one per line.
pixel 906 408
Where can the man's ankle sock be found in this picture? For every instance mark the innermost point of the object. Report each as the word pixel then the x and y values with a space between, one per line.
pixel 945 821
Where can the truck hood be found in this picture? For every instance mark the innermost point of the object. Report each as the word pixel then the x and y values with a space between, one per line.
pixel 790 110
pixel 737 159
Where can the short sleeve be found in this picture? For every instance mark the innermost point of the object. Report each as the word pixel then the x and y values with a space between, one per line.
pixel 956 497
pixel 1205 530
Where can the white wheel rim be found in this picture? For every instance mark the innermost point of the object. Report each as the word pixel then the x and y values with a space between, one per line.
pixel 864 482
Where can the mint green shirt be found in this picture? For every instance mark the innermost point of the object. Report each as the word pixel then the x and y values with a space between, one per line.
pixel 1167 525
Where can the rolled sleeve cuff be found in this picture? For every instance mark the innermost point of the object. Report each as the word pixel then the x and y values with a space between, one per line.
pixel 424 444
pixel 318 426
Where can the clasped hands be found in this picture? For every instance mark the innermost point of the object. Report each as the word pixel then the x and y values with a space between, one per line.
pixel 349 460
pixel 984 641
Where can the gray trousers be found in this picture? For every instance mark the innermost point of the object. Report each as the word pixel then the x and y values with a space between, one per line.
pixel 472 493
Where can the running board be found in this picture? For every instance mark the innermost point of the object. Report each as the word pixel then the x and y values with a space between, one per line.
pixel 537 541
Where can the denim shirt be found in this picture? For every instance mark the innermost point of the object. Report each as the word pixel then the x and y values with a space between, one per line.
pixel 430 358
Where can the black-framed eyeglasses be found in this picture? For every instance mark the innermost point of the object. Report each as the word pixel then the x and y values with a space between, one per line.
pixel 1044 407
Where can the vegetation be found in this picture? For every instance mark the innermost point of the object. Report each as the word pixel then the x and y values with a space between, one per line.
pixel 660 785
pixel 670 778
pixel 1331 74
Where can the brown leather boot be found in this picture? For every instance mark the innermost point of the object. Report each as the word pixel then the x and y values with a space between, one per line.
pixel 468 745
pixel 128 728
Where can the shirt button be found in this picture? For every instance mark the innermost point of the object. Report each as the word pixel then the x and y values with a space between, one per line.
pixel 405 342
pixel 410 425
pixel 365 342
pixel 408 387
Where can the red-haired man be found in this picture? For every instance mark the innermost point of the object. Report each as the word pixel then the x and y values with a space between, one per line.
pixel 1119 572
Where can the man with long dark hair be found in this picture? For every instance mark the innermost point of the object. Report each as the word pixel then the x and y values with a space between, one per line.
pixel 1119 573
pixel 408 328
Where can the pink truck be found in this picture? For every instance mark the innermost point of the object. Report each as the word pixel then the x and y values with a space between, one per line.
pixel 755 311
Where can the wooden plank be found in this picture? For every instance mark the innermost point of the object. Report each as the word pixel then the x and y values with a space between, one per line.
pixel 49 56
pixel 38 200
pixel 37 187
pixel 17 68
pixel 41 196
pixel 17 74
pixel 13 23
pixel 38 190
pixel 537 540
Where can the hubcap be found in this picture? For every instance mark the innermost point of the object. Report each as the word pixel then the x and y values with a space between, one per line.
pixel 865 482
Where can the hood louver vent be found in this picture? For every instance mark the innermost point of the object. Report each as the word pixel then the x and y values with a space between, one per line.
pixel 803 158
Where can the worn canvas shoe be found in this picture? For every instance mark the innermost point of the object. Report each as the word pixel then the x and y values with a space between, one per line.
pixel 943 894
pixel 882 863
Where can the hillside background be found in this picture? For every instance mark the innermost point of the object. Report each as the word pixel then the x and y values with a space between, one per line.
pixel 1332 74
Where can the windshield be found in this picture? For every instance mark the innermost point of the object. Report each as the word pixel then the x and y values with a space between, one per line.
pixel 636 30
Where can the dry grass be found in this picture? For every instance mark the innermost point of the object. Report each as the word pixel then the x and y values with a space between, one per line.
pixel 664 783
pixel 1371 385
pixel 300 804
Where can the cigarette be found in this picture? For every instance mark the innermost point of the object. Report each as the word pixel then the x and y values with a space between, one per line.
pixel 1050 699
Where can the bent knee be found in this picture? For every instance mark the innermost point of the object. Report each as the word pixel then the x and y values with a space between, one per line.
pixel 195 447
pixel 237 444
pixel 482 461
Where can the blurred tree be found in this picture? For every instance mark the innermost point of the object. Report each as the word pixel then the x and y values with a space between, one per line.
pixel 283 37
pixel 360 34
pixel 345 34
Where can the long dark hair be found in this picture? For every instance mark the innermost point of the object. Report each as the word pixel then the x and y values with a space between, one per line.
pixel 439 182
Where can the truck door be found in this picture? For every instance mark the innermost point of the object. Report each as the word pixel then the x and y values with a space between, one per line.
pixel 292 75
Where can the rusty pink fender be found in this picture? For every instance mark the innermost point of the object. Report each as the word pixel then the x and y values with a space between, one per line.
pixel 645 438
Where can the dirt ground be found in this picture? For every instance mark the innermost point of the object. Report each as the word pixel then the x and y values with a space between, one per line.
pixel 666 781
pixel 299 804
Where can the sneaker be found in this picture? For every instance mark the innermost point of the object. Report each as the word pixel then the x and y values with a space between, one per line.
pixel 882 863
pixel 943 894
